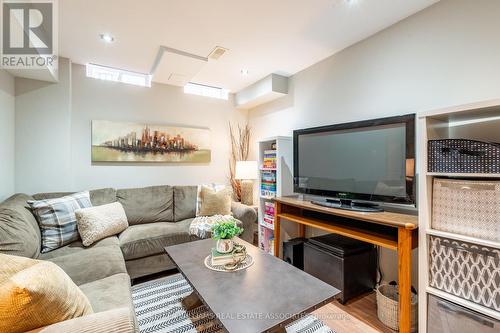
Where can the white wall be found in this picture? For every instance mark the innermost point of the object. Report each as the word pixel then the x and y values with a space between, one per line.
pixel 161 104
pixel 7 120
pixel 448 54
pixel 53 124
pixel 43 142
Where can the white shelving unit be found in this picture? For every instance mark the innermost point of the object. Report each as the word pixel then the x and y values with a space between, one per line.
pixel 477 121
pixel 283 147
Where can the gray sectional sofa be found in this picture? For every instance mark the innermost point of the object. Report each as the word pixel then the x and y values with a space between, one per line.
pixel 158 216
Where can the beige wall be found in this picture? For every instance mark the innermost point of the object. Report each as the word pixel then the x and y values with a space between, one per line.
pixel 54 132
pixel 445 55
pixel 7 119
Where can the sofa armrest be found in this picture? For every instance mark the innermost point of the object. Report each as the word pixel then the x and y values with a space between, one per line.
pixel 113 321
pixel 248 217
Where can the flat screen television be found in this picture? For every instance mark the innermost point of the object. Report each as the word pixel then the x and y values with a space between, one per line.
pixel 365 161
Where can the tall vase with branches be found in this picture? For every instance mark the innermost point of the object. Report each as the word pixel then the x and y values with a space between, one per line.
pixel 240 148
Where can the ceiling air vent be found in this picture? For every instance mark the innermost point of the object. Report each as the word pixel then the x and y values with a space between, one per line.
pixel 217 52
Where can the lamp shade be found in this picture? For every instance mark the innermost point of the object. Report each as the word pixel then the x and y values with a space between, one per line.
pixel 246 170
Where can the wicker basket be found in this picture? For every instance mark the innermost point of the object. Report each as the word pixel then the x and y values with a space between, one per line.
pixel 388 310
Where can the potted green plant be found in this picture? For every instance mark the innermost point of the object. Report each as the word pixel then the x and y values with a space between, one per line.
pixel 224 232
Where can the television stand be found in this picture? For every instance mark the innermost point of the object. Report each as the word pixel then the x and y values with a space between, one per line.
pixel 394 231
pixel 347 204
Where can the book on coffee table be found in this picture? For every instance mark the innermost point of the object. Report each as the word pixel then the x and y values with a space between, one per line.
pixel 224 258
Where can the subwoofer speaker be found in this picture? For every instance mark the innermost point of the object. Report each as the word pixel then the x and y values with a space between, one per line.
pixel 293 252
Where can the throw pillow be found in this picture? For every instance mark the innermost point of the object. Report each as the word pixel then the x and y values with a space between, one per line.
pixel 96 223
pixel 215 202
pixel 57 219
pixel 213 186
pixel 37 293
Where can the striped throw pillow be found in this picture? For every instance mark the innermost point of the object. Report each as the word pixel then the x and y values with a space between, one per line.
pixel 57 219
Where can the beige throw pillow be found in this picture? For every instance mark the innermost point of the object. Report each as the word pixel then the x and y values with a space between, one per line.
pixel 215 202
pixel 96 223
pixel 36 294
pixel 213 186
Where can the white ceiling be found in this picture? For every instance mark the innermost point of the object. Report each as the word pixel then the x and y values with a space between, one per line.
pixel 263 36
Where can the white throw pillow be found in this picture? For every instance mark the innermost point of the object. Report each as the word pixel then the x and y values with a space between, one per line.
pixel 96 223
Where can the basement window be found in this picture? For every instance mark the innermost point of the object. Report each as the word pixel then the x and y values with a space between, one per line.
pixel 118 75
pixel 207 91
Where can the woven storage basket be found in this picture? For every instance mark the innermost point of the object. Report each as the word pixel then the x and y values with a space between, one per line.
pixel 466 270
pixel 467 207
pixel 388 309
pixel 463 156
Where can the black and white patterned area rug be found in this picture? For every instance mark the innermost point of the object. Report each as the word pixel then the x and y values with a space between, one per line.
pixel 159 310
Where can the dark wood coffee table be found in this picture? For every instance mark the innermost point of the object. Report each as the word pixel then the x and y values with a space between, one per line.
pixel 262 298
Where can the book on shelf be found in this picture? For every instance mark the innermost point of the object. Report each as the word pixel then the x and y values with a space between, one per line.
pixel 269 205
pixel 267 193
pixel 268 221
pixel 269 166
pixel 268 176
pixel 269 212
pixel 268 186
pixel 269 209
pixel 266 241
pixel 269 162
pixel 224 258
pixel 270 152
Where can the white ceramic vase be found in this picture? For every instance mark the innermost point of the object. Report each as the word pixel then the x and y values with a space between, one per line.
pixel 225 245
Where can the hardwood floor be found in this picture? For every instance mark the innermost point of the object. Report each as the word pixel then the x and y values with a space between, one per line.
pixel 357 316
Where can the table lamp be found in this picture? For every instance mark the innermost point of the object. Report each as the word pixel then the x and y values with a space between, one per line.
pixel 246 171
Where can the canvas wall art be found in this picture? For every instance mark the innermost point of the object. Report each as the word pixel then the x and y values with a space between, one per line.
pixel 135 142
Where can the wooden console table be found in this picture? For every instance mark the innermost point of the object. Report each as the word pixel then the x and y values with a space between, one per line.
pixel 390 230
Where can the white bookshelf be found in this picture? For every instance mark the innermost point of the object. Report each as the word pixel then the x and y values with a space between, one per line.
pixel 476 121
pixel 284 177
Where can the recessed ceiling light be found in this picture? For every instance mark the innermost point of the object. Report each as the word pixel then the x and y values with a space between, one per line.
pixel 244 71
pixel 107 38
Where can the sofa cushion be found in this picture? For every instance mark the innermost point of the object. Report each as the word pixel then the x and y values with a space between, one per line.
pixel 32 289
pixel 215 202
pixel 97 197
pixel 51 195
pixel 77 247
pixel 112 321
pixel 109 293
pixel 19 231
pixel 184 202
pixel 102 196
pixel 148 204
pixel 92 264
pixel 57 219
pixel 96 223
pixel 149 239
pixel 213 186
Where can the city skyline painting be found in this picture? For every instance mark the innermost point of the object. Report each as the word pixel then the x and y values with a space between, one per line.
pixel 141 142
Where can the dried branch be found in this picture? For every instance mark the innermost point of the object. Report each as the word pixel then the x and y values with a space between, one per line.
pixel 240 148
